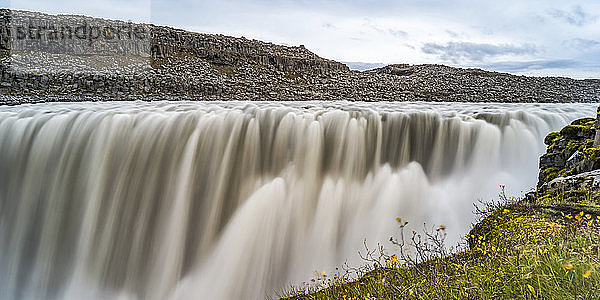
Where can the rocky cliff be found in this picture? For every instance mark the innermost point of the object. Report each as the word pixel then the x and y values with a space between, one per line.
pixel 62 57
pixel 570 168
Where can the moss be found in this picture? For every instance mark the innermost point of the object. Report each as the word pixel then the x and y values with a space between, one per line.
pixel 551 138
pixel 592 153
pixel 576 197
pixel 565 173
pixel 573 130
pixel 550 173
pixel 589 143
pixel 573 145
pixel 584 121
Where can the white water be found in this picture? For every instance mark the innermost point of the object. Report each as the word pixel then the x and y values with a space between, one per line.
pixel 231 200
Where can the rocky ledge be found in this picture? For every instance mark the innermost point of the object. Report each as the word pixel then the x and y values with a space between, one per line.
pixel 571 155
pixel 570 168
pixel 69 58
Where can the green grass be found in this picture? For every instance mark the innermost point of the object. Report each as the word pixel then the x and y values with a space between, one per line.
pixel 518 250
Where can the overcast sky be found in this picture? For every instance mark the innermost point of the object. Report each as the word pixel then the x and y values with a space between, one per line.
pixel 545 37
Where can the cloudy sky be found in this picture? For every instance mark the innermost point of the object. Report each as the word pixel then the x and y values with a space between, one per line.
pixel 534 37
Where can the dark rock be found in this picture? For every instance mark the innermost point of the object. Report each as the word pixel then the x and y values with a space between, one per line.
pixel 164 62
pixel 570 152
pixel 583 181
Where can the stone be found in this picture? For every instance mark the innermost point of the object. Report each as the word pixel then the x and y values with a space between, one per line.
pixel 173 63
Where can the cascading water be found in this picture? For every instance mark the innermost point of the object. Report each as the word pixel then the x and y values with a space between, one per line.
pixel 235 200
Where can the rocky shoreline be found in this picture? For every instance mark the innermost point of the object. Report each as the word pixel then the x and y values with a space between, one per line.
pixel 48 58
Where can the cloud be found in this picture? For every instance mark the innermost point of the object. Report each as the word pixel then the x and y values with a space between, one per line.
pixel 329 26
pixel 577 16
pixel 361 66
pixel 581 44
pixel 520 66
pixel 397 33
pixel 477 52
pixel 576 68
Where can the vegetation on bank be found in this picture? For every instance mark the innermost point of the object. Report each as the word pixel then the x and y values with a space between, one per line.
pixel 519 250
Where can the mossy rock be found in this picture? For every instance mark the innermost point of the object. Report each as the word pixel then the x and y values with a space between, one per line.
pixel 573 145
pixel 584 122
pixel 551 138
pixel 565 173
pixel 550 173
pixel 592 153
pixel 573 130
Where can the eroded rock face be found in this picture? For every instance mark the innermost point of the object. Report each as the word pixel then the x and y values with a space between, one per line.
pixel 571 161
pixel 583 181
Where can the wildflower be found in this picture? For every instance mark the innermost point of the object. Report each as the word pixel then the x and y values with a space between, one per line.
pixel 587 274
pixel 322 273
pixel 394 258
pixel 442 227
pixel 569 267
pixel 506 211
pixel 588 216
pixel 398 220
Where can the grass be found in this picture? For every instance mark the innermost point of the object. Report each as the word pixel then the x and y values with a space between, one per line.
pixel 518 250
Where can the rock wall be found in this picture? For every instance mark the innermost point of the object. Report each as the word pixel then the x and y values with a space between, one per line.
pixel 230 51
pixel 75 35
pixel 80 35
pixel 572 159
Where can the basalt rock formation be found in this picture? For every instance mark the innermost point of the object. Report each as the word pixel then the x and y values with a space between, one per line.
pixel 68 58
pixel 571 165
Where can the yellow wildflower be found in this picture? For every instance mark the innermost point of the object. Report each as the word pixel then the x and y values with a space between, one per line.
pixel 569 267
pixel 587 274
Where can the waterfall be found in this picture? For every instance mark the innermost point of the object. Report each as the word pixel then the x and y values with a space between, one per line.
pixel 236 200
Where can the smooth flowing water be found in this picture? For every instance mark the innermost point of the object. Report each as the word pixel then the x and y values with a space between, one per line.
pixel 236 200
